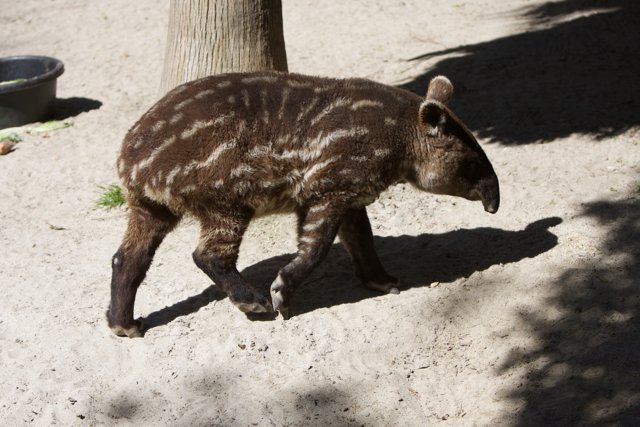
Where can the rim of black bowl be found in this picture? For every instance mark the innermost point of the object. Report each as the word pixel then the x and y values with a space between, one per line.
pixel 52 74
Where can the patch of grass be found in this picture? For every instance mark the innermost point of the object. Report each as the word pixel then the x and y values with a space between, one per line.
pixel 112 197
pixel 51 125
pixel 10 136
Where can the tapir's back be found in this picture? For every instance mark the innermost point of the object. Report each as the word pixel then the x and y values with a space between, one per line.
pixel 268 136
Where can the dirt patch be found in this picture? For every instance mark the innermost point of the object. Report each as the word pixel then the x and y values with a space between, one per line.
pixel 527 317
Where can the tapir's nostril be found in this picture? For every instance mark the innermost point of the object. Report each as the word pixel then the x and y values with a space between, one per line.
pixel 491 202
pixel 491 208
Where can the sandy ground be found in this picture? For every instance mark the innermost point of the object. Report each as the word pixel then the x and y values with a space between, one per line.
pixel 527 317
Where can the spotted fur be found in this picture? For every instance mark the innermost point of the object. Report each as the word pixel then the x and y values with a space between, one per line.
pixel 227 148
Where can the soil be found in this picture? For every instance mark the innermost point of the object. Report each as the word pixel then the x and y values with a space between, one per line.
pixel 527 317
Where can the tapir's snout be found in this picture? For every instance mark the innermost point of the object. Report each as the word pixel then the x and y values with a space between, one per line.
pixel 489 191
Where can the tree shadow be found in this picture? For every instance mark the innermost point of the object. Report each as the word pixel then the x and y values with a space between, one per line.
pixel 222 401
pixel 65 108
pixel 417 260
pixel 574 71
pixel 586 368
pixel 324 406
pixel 123 407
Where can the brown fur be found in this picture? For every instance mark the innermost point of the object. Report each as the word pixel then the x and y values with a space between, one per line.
pixel 226 148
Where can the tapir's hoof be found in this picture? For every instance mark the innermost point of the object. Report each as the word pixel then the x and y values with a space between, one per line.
pixel 133 331
pixel 284 311
pixel 278 290
pixel 254 307
pixel 387 288
pixel 278 304
pixel 248 300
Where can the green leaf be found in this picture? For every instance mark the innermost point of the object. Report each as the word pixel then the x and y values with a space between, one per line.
pixel 50 125
pixel 11 136
pixel 36 128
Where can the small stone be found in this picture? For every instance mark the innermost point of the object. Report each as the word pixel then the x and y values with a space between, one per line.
pixel 242 346
pixel 6 147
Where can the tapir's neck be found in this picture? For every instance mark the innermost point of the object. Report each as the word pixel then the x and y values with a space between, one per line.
pixel 416 149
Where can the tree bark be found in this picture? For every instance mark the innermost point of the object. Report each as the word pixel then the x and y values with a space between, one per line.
pixel 208 37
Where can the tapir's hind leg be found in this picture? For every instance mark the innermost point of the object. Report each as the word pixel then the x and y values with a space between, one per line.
pixel 356 236
pixel 217 254
pixel 148 225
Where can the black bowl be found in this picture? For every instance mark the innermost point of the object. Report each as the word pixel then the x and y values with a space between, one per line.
pixel 31 96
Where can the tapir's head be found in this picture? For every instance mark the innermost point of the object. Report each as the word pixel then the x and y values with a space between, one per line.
pixel 449 160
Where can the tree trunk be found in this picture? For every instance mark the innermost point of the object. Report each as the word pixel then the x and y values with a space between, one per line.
pixel 217 36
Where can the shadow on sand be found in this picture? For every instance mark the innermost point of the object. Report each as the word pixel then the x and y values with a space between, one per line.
pixel 417 260
pixel 585 369
pixel 65 108
pixel 573 69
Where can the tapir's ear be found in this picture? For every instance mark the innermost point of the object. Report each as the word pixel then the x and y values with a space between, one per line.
pixel 440 89
pixel 432 117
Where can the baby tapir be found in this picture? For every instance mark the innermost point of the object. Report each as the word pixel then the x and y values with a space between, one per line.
pixel 228 148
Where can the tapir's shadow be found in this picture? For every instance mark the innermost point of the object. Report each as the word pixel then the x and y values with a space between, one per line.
pixel 415 260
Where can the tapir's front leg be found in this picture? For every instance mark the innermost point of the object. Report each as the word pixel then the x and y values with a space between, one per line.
pixel 318 227
pixel 356 236
pixel 148 224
